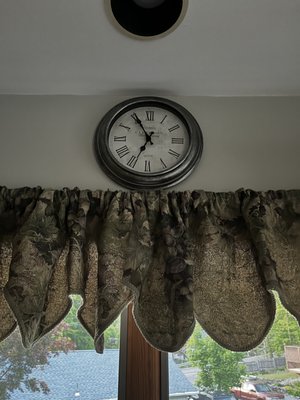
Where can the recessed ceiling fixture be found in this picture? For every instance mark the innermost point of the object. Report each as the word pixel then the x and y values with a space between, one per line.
pixel 148 18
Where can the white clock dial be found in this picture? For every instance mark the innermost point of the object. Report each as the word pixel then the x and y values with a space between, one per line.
pixel 148 139
pixel 148 143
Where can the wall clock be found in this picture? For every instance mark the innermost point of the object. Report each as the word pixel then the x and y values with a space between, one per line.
pixel 148 143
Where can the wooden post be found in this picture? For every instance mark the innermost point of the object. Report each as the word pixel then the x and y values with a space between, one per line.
pixel 141 366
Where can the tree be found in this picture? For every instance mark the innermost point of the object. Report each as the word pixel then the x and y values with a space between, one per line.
pixel 219 368
pixel 76 331
pixel 293 389
pixel 112 335
pixel 285 331
pixel 17 364
pixel 80 336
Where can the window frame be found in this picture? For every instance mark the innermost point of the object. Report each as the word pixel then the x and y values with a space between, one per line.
pixel 157 381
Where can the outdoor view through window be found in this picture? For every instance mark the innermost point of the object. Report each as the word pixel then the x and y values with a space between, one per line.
pixel 62 366
pixel 267 372
pixel 65 366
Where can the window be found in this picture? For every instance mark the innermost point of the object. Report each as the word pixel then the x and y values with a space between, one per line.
pixel 61 366
pixel 75 370
pixel 269 368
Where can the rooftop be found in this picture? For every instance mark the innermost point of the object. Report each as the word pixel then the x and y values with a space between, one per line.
pixel 93 375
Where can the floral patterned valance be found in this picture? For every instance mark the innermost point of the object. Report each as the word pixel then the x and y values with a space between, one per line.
pixel 180 257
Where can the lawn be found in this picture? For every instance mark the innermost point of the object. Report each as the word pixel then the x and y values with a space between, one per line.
pixel 278 376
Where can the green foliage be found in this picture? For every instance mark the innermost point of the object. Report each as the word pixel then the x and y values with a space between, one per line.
pixel 76 332
pixel 80 336
pixel 285 331
pixel 219 368
pixel 112 335
pixel 281 374
pixel 293 389
pixel 18 363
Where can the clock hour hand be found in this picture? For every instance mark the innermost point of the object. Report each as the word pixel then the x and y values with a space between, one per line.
pixel 148 139
pixel 142 148
pixel 138 121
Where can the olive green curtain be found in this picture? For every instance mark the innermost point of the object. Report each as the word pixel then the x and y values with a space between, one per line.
pixel 179 256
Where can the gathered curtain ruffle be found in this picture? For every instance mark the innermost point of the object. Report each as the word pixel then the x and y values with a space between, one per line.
pixel 179 256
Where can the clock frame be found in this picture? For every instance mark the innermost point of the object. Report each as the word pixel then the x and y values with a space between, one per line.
pixel 130 178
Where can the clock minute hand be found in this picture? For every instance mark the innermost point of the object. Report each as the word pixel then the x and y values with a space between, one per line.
pixel 138 121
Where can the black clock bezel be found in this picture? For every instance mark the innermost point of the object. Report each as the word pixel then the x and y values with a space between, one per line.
pixel 147 181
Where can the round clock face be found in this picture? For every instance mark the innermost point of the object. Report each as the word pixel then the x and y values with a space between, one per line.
pixel 148 139
pixel 148 143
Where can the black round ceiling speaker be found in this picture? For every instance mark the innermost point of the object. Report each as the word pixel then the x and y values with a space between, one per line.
pixel 148 3
pixel 147 17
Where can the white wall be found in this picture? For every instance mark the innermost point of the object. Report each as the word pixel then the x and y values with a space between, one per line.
pixel 248 142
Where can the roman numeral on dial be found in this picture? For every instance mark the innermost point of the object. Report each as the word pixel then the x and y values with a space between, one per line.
pixel 126 127
pixel 150 115
pixel 174 128
pixel 162 121
pixel 173 153
pixel 147 166
pixel 163 164
pixel 122 151
pixel 176 140
pixel 132 161
pixel 119 138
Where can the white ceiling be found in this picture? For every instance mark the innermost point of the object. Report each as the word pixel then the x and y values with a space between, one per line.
pixel 222 47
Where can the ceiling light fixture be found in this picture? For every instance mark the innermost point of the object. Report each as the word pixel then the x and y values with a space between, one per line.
pixel 148 3
pixel 147 18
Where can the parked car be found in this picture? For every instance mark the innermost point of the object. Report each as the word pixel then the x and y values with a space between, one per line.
pixel 223 396
pixel 255 390
pixel 213 396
